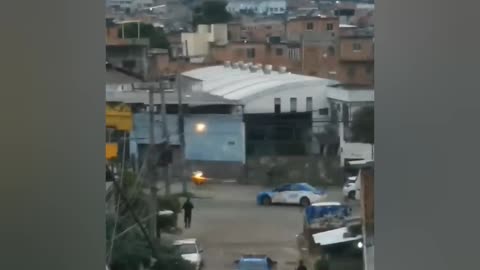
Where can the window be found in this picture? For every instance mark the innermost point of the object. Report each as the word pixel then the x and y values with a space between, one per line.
pixel 283 188
pixel 329 26
pixel 187 249
pixel 293 104
pixel 310 26
pixel 331 51
pixel 294 54
pixel 323 111
pixel 251 53
pixel 357 47
pixel 277 105
pixel 279 51
pixel 309 104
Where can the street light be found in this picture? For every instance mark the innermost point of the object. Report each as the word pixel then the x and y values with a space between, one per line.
pixel 200 127
pixel 360 244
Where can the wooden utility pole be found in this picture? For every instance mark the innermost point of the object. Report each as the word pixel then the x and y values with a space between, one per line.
pixel 166 140
pixel 152 168
pixel 181 135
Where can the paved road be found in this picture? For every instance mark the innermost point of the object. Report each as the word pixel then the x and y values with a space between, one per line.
pixel 229 224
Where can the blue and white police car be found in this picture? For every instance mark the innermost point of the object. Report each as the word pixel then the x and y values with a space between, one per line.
pixel 255 262
pixel 298 193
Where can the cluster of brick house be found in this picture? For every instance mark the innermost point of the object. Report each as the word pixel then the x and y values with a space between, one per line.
pixel 336 46
pixel 312 45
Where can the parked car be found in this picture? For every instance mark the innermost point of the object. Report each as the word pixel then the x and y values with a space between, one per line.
pixel 298 193
pixel 350 187
pixel 190 251
pixel 255 262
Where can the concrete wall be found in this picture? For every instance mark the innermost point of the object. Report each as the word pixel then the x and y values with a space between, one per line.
pixel 219 151
pixel 238 52
pixel 141 125
pixel 265 104
pixel 195 44
pixel 118 56
pixel 223 140
pixel 198 43
pixel 362 52
pixel 353 150
pixel 297 27
pixel 356 72
pixel 312 169
pixel 256 31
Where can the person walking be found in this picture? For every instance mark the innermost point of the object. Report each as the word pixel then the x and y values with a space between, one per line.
pixel 187 212
pixel 301 266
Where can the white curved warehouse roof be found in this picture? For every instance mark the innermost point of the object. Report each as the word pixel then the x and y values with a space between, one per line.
pixel 238 84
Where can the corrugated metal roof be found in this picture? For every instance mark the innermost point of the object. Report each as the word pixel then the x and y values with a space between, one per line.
pixel 192 99
pixel 238 84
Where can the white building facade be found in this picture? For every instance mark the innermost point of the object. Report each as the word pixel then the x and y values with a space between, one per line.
pixel 261 7
pixel 344 103
pixel 197 44
pixel 264 91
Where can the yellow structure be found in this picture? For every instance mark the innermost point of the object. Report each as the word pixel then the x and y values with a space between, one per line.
pixel 118 117
pixel 111 151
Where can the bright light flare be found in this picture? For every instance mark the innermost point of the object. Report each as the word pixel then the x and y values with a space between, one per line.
pixel 360 245
pixel 198 178
pixel 200 127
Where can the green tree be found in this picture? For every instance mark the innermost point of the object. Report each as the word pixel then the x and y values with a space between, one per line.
pixel 363 125
pixel 131 249
pixel 211 12
pixel 321 264
pixel 157 36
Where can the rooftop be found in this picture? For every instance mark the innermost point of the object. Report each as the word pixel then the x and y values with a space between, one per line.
pixel 351 95
pixel 237 84
pixel 171 97
pixel 115 76
pixel 315 17
pixel 142 42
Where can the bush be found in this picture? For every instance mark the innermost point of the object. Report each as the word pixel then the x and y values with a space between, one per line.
pixel 168 203
pixel 321 264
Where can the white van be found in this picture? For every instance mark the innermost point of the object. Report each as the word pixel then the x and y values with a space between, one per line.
pixel 351 189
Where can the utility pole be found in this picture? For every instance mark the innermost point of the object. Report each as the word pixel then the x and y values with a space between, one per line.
pixel 181 134
pixel 165 169
pixel 152 168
